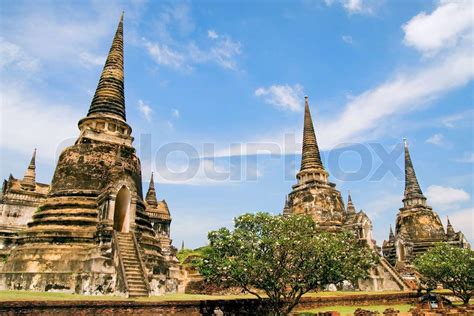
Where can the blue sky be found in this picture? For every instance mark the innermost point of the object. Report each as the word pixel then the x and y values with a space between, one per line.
pixel 203 79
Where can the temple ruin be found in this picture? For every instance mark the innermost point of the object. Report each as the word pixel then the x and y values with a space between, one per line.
pixel 314 195
pixel 417 228
pixel 90 231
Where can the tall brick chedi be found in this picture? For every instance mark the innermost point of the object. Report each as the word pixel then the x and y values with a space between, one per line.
pixel 92 233
pixel 418 227
pixel 314 195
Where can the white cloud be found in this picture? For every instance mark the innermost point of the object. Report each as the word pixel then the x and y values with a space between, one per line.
pixel 452 120
pixel 356 6
pixel 47 34
pixel 463 220
pixel 212 34
pixel 145 109
pixel 365 116
pixel 176 22
pixel 449 23
pixel 175 113
pixel 353 5
pixel 467 158
pixel 88 59
pixel 198 172
pixel 436 139
pixel 223 52
pixel 387 202
pixel 163 55
pixel 348 39
pixel 35 123
pixel 446 197
pixel 284 97
pixel 408 91
pixel 174 18
pixel 13 55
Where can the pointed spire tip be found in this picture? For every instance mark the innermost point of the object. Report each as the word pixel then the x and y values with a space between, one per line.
pixel 109 96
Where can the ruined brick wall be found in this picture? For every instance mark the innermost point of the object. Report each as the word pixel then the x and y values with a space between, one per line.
pixel 208 307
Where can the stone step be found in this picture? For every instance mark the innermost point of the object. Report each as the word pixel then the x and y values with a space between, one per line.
pixel 128 253
pixel 130 259
pixel 135 268
pixel 126 244
pixel 134 275
pixel 127 247
pixel 136 283
pixel 129 256
pixel 138 294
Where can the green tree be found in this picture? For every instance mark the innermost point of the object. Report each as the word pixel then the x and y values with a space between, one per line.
pixel 453 267
pixel 282 257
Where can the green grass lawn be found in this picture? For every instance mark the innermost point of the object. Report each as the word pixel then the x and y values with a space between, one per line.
pixel 32 296
pixel 349 310
pixel 41 296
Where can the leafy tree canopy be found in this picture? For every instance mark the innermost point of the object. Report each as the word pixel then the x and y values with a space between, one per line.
pixel 453 267
pixel 283 257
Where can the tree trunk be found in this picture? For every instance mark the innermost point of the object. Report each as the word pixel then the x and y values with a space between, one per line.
pixel 465 300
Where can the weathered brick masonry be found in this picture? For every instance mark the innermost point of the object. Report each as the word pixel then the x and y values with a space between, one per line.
pixel 205 307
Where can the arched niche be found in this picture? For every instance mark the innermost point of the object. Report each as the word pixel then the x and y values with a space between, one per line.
pixel 122 210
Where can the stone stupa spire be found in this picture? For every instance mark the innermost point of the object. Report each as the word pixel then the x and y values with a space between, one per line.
pixel 151 194
pixel 413 194
pixel 350 206
pixel 311 165
pixel 391 236
pixel 29 179
pixel 449 229
pixel 311 159
pixel 109 96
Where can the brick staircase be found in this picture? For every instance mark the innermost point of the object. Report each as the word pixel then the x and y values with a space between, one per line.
pixel 133 270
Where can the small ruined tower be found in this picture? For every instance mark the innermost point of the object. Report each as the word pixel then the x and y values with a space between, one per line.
pixel 29 179
pixel 160 217
pixel 450 233
pixel 391 236
pixel 151 194
pixel 286 208
pixel 350 206
pixel 19 200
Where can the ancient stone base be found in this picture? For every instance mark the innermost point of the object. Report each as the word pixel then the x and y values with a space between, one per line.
pixel 67 282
